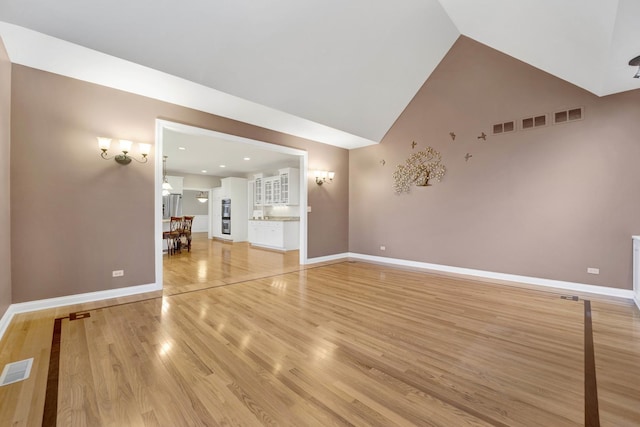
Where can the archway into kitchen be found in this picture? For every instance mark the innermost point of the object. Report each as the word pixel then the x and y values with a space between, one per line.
pixel 265 195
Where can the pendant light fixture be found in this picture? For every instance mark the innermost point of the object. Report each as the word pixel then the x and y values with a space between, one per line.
pixel 202 197
pixel 166 187
pixel 635 62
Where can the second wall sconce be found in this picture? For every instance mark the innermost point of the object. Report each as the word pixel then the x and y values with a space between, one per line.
pixel 322 176
pixel 125 146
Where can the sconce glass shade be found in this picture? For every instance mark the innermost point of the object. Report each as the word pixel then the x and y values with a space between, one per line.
pixel 165 192
pixel 166 185
pixel 316 174
pixel 104 143
pixel 331 175
pixel 145 149
pixel 125 145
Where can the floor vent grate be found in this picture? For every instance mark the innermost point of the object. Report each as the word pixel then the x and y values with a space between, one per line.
pixel 16 371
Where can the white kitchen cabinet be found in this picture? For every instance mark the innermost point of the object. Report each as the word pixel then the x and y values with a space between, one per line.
pixel 258 195
pixel 289 186
pixel 269 187
pixel 276 190
pixel 176 184
pixel 278 235
pixel 280 189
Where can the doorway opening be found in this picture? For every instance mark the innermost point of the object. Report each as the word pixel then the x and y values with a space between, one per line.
pixel 225 144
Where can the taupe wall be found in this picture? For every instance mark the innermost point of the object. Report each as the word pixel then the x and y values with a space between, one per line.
pixel 5 229
pixel 76 217
pixel 547 202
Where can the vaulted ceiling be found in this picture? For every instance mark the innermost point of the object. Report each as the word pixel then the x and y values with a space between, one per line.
pixel 335 71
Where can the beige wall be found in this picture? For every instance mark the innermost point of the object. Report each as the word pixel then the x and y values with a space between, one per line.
pixel 547 202
pixel 5 229
pixel 76 217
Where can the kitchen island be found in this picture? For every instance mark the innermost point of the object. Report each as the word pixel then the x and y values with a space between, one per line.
pixel 276 233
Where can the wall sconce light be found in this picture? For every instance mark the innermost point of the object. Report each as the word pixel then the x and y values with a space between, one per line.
pixel 635 62
pixel 125 146
pixel 202 197
pixel 321 176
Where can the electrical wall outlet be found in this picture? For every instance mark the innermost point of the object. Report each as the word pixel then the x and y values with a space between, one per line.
pixel 383 248
pixel 117 273
pixel 308 208
pixel 592 270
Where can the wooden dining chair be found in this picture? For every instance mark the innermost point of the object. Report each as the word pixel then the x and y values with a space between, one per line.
pixel 175 232
pixel 187 223
pixel 166 235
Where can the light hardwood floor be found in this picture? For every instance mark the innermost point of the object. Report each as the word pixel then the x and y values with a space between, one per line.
pixel 251 338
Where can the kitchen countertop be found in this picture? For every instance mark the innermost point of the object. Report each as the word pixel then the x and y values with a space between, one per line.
pixel 277 218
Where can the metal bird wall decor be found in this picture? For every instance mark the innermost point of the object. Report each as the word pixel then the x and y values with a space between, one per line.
pixel 452 135
pixel 483 136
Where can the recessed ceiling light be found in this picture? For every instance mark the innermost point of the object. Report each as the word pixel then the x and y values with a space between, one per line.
pixel 203 171
pixel 181 148
pixel 223 166
pixel 247 158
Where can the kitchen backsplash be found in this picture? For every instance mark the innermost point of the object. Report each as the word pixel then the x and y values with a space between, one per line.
pixel 281 211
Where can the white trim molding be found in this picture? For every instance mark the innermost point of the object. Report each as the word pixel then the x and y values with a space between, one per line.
pixel 6 320
pixel 636 269
pixel 335 257
pixel 536 281
pixel 25 307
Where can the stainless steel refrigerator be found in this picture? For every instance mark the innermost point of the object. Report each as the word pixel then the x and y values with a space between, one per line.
pixel 171 205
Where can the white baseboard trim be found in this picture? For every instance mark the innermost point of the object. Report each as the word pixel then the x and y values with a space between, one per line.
pixel 559 284
pixel 328 258
pixel 25 307
pixel 637 300
pixel 5 320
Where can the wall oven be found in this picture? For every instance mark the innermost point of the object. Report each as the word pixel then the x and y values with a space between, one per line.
pixel 226 226
pixel 226 216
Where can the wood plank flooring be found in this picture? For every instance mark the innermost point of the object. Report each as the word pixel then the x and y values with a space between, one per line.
pixel 253 339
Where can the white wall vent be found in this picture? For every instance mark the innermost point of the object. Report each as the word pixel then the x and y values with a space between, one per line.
pixel 570 115
pixel 505 127
pixel 533 122
pixel 16 371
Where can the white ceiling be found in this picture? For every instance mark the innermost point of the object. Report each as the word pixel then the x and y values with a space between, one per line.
pixel 207 153
pixel 335 71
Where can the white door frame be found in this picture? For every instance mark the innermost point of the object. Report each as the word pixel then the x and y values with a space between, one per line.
pixel 161 125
